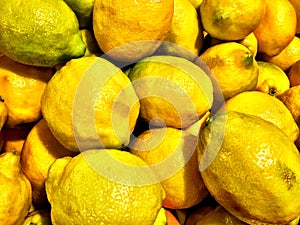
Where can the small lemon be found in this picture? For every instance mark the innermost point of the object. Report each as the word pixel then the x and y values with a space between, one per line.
pixel 38 217
pixel 271 79
pixel 83 11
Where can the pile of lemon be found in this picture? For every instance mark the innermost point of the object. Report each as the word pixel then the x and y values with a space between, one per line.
pixel 149 112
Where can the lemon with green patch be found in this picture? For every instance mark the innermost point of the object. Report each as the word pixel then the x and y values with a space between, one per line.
pixel 39 33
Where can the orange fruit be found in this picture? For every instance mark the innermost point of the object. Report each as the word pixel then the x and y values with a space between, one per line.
pixel 21 89
pixel 128 30
pixel 287 57
pixel 40 150
pixel 294 74
pixel 278 27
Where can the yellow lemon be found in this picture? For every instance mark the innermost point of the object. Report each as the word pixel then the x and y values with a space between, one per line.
pixel 105 186
pixel 185 38
pixel 128 30
pixel 21 90
pixel 294 74
pixel 233 66
pixel 231 20
pixel 287 57
pixel 173 156
pixel 14 138
pixel 266 107
pixel 242 157
pixel 38 217
pixel 296 5
pixel 172 90
pixel 277 28
pixel 39 151
pixel 90 103
pixel 3 113
pixel 92 48
pixel 271 79
pixel 15 190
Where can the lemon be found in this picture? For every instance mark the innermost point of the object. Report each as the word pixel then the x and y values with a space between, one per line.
pixel 196 3
pixel 92 48
pixel 14 138
pixel 296 5
pixel 38 217
pixel 287 57
pixel 39 151
pixel 15 192
pixel 185 38
pixel 249 41
pixel 103 187
pixel 233 66
pixel 172 90
pixel 39 33
pixel 277 28
pixel 83 11
pixel 267 107
pixel 271 79
pixel 251 168
pixel 231 20
pixel 21 90
pixel 161 218
pixel 294 74
pixel 90 103
pixel 128 30
pixel 3 113
pixel 173 156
